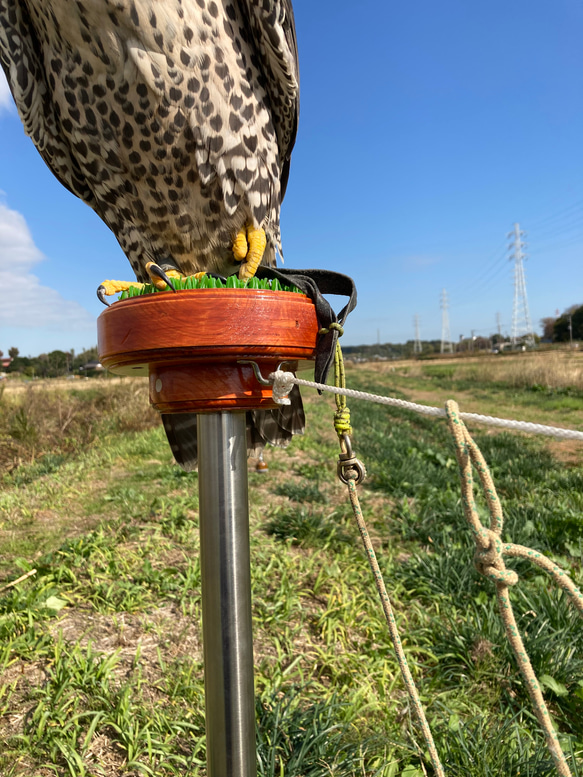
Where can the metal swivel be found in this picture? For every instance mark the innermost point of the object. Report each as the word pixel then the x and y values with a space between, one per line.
pixel 347 461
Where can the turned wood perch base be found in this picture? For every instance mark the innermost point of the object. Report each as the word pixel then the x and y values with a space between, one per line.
pixel 189 344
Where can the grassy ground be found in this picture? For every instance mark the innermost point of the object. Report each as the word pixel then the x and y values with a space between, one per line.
pixel 547 385
pixel 100 649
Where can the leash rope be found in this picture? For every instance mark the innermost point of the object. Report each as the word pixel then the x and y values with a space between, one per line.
pixel 281 379
pixel 393 628
pixel 351 472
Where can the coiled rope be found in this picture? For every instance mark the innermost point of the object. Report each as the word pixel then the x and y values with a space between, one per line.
pixel 489 561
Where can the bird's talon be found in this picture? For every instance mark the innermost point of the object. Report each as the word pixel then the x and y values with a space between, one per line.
pixel 159 278
pixel 101 295
pixel 108 288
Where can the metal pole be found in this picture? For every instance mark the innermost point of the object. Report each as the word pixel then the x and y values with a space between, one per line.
pixel 226 595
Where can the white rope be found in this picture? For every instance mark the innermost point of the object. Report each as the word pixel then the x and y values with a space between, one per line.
pixel 283 381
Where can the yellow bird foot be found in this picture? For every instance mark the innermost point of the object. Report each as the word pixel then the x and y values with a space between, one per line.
pixel 160 279
pixel 107 288
pixel 248 248
pixel 240 246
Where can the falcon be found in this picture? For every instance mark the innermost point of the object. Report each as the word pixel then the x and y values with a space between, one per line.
pixel 175 121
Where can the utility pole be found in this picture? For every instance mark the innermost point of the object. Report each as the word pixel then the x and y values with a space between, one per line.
pixel 499 324
pixel 521 324
pixel 446 345
pixel 417 347
pixel 570 331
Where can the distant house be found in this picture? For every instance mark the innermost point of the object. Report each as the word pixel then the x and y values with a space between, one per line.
pixel 5 361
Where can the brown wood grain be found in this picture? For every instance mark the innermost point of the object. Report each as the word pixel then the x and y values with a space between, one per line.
pixel 190 344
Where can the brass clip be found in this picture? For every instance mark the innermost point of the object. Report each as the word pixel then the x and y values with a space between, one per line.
pixel 348 461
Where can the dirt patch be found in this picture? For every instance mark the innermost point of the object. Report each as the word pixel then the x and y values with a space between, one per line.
pixel 21 678
pixel 569 452
pixel 104 756
pixel 136 638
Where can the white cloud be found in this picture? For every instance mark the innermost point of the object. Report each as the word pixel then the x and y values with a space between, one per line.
pixel 24 302
pixel 5 96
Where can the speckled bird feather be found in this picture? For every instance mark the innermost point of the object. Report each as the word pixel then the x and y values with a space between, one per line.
pixel 173 119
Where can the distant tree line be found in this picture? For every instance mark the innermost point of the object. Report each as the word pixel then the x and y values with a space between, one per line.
pixel 557 330
pixel 391 350
pixel 49 365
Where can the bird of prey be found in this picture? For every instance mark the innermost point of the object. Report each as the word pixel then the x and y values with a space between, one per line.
pixel 175 121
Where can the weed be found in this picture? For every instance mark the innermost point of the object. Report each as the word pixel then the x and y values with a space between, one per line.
pixel 301 492
pixel 307 527
pixel 301 740
pixel 489 749
pixel 40 423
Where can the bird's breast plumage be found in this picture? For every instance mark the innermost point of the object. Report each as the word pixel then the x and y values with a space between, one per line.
pixel 160 116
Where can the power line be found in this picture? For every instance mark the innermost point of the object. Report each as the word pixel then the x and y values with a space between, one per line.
pixel 498 256
pixel 573 241
pixel 487 283
pixel 564 229
pixel 562 222
pixel 492 328
pixel 561 214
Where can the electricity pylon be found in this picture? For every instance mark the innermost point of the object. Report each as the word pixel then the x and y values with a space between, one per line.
pixel 521 324
pixel 446 345
pixel 417 347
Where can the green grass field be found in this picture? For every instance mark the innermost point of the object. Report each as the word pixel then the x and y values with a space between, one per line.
pixel 100 651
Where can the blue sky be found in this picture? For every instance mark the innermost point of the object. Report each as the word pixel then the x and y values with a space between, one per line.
pixel 426 131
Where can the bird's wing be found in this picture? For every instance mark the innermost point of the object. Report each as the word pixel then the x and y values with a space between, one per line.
pixel 274 36
pixel 21 60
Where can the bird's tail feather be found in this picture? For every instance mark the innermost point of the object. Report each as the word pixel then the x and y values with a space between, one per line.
pixel 276 427
pixel 181 432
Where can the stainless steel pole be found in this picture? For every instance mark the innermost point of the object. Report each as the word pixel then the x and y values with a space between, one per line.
pixel 226 595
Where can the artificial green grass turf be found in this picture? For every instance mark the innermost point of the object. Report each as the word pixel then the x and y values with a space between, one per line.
pixel 207 282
